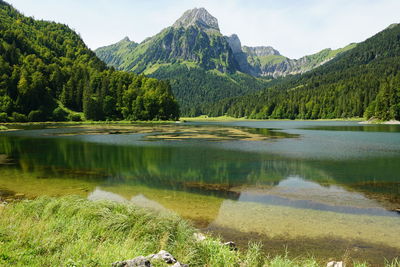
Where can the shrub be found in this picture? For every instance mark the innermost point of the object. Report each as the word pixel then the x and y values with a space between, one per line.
pixel 18 117
pixel 36 116
pixel 3 117
pixel 75 117
pixel 60 115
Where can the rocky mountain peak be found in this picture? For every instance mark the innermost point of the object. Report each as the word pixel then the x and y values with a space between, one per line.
pixel 197 17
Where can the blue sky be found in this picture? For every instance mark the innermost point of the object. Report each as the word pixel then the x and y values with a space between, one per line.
pixel 295 28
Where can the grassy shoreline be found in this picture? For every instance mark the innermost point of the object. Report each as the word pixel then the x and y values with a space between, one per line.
pixel 72 231
pixel 228 118
pixel 188 119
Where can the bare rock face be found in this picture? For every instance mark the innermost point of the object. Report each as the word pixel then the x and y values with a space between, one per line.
pixel 197 17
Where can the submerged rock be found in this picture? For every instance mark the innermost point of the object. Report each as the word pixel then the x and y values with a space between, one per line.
pixel 336 264
pixel 136 262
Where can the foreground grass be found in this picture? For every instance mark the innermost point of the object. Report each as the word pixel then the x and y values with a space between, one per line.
pixel 72 231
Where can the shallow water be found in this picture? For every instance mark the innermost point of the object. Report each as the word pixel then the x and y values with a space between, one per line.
pixel 328 189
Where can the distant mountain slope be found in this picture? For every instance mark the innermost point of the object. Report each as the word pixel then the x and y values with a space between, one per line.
pixel 362 81
pixel 203 65
pixel 47 70
pixel 268 62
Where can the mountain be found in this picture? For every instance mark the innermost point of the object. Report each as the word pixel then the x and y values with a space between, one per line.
pixel 202 64
pixel 193 38
pixel 193 55
pixel 266 61
pixel 363 81
pixel 48 73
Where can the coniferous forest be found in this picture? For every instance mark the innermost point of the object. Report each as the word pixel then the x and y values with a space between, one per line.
pixel 362 82
pixel 48 73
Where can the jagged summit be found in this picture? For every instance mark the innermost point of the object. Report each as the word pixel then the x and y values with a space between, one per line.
pixel 197 17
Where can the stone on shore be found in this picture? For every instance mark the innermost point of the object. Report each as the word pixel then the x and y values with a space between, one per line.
pixel 199 237
pixel 163 255
pixel 146 261
pixel 231 245
pixel 136 262
pixel 336 264
pixel 178 264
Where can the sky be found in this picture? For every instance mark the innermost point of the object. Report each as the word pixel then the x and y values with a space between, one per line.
pixel 294 27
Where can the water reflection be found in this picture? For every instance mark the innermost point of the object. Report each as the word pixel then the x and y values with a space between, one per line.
pixel 280 191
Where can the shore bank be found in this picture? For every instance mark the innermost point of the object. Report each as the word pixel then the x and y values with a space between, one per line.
pixel 72 231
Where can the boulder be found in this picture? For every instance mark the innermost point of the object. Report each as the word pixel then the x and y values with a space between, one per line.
pixel 136 262
pixel 231 245
pixel 146 261
pixel 336 264
pixel 163 255
pixel 199 237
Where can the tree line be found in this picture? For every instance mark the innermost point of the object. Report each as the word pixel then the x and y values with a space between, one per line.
pixel 48 73
pixel 364 81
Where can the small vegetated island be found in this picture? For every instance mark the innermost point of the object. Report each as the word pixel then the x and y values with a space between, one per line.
pixel 47 73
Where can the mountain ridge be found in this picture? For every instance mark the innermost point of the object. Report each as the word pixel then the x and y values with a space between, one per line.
pixel 191 38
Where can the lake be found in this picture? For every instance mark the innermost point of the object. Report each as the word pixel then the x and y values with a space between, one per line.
pixel 327 189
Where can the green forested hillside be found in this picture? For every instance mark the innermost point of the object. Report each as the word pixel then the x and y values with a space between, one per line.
pixel 362 81
pixel 47 70
pixel 197 88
